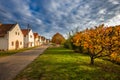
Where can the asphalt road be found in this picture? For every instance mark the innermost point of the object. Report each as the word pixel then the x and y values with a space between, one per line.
pixel 10 66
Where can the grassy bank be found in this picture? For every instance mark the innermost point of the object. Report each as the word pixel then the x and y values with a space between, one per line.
pixel 7 53
pixel 64 64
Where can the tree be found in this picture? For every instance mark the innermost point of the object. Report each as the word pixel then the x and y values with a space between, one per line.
pixel 68 43
pixel 58 39
pixel 93 43
pixel 112 40
pixel 98 41
pixel 77 40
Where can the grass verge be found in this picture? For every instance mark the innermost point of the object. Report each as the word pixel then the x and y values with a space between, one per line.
pixel 7 53
pixel 64 64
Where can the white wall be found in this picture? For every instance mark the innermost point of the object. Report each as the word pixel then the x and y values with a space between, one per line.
pixel 31 39
pixel 3 43
pixel 15 35
pixel 26 41
pixel 40 41
pixel 36 41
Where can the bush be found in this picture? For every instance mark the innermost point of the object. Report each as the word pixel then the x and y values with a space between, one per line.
pixel 68 44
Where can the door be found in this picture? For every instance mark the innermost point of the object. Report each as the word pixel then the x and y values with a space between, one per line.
pixel 17 44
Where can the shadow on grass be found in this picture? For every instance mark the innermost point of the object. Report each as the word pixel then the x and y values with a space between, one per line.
pixel 63 64
pixel 68 71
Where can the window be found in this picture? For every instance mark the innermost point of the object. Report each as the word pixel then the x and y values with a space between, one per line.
pixel 16 33
pixel 12 43
pixel 30 36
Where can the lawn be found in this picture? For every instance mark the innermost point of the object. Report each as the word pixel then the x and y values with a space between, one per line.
pixel 64 64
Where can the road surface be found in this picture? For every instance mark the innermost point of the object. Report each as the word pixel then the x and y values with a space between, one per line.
pixel 10 66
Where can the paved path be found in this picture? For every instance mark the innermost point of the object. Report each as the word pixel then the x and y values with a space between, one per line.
pixel 10 66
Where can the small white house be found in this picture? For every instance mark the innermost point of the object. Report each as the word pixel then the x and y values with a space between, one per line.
pixel 11 37
pixel 36 39
pixel 40 40
pixel 28 38
pixel 43 40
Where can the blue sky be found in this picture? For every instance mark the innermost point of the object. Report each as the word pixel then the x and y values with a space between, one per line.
pixel 50 16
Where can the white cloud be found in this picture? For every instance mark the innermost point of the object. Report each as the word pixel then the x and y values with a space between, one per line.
pixel 38 21
pixel 50 16
pixel 102 11
pixel 114 1
pixel 114 21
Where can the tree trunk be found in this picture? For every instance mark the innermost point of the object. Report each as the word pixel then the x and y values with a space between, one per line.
pixel 92 60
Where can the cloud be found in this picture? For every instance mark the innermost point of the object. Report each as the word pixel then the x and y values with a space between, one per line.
pixel 114 1
pixel 50 16
pixel 114 21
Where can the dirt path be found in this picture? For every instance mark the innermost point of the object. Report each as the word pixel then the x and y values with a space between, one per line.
pixel 10 66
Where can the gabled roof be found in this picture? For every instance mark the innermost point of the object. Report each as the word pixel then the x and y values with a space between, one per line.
pixel 25 31
pixel 36 35
pixel 4 28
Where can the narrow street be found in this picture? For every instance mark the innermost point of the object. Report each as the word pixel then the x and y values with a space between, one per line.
pixel 10 66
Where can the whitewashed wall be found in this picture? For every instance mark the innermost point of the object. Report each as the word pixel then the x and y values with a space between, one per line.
pixel 28 40
pixel 3 43
pixel 40 40
pixel 36 41
pixel 14 35
pixel 31 39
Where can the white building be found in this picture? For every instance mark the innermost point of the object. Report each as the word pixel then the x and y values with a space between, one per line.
pixel 11 37
pixel 36 39
pixel 28 38
pixel 43 40
pixel 40 40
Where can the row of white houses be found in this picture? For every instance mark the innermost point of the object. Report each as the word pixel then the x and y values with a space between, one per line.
pixel 13 37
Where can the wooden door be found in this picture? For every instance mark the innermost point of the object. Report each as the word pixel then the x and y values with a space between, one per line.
pixel 17 44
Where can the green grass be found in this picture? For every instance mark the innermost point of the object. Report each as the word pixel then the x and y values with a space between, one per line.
pixel 64 64
pixel 7 53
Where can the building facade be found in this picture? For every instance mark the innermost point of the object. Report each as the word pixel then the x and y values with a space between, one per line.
pixel 28 38
pixel 11 37
pixel 36 39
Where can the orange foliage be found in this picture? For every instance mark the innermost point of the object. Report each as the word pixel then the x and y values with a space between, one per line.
pixel 98 40
pixel 58 39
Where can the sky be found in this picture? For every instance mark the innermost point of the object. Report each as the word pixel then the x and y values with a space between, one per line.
pixel 48 17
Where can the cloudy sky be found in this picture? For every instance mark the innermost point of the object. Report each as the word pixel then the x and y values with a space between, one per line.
pixel 50 16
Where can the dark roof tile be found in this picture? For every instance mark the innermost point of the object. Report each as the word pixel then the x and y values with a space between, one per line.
pixel 25 31
pixel 4 28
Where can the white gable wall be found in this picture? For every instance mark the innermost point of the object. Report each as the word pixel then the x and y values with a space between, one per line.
pixel 40 40
pixel 15 38
pixel 36 41
pixel 26 41
pixel 31 39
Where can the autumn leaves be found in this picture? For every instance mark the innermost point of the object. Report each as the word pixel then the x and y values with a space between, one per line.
pixel 99 42
pixel 58 39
